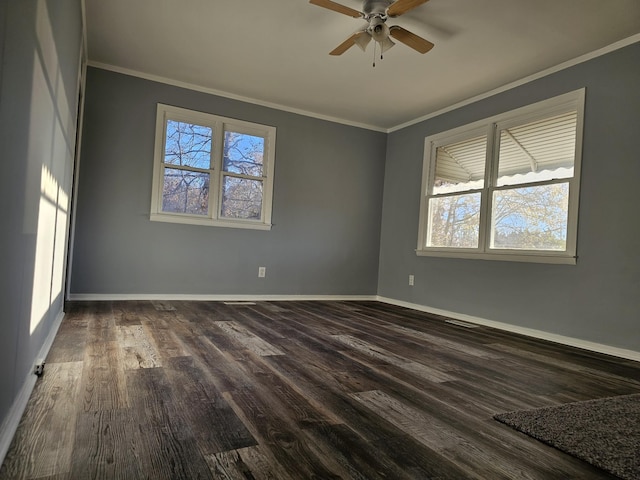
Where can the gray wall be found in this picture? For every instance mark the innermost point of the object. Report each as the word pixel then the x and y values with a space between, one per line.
pixel 596 300
pixel 40 44
pixel 326 206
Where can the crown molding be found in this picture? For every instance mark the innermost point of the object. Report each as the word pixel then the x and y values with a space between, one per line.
pixel 543 73
pixel 232 96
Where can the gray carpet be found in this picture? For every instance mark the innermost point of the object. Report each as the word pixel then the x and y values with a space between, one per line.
pixel 603 432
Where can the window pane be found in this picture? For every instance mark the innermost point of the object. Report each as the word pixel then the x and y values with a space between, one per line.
pixel 538 151
pixel 188 145
pixel 454 221
pixel 460 166
pixel 531 218
pixel 241 198
pixel 185 192
pixel 243 154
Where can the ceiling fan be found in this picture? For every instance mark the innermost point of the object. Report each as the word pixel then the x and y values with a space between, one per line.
pixel 376 13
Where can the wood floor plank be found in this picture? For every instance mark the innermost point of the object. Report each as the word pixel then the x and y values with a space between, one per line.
pixel 163 306
pixel 246 463
pixel 168 448
pixel 213 422
pixel 138 350
pixel 106 446
pixel 282 396
pixel 224 372
pixel 132 312
pixel 279 436
pixel 186 323
pixel 378 353
pixel 103 384
pixel 44 441
pixel 418 461
pixel 70 341
pixel 299 389
pixel 101 325
pixel 194 319
pixel 440 341
pixel 248 339
pixel 58 476
pixel 159 329
pixel 265 325
pixel 352 454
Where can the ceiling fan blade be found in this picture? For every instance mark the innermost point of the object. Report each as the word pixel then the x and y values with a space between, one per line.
pixel 346 45
pixel 336 7
pixel 410 39
pixel 403 6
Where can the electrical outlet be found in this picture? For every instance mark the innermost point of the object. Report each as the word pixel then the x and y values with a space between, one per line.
pixel 262 272
pixel 411 280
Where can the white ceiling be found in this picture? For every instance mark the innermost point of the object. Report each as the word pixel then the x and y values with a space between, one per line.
pixel 276 52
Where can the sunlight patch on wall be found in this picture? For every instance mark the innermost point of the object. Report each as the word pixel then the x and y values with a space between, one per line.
pixel 45 239
pixel 50 162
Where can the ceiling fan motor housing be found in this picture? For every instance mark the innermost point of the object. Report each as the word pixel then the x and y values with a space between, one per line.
pixel 375 8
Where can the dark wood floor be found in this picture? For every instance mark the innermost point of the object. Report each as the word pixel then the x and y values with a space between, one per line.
pixel 296 390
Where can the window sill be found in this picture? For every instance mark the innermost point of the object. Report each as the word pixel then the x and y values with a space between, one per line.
pixel 510 256
pixel 208 222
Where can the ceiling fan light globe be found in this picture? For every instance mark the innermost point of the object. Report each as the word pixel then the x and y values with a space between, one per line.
pixel 363 40
pixel 379 30
pixel 386 44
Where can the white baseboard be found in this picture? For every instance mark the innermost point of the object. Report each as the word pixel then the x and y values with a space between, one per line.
pixel 217 298
pixel 529 332
pixel 11 422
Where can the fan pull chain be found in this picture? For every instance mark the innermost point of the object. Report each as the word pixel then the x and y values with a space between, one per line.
pixel 375 45
pixel 374 53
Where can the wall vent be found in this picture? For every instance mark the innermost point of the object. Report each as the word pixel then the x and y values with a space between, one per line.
pixel 460 323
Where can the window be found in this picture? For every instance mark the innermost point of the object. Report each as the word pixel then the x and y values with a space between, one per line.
pixel 505 188
pixel 210 170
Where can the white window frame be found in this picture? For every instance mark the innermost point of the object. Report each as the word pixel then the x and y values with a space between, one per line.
pixel 492 127
pixel 218 125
